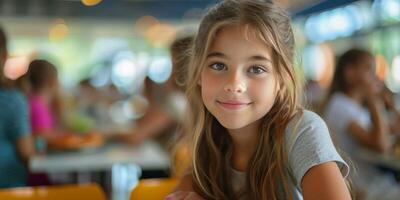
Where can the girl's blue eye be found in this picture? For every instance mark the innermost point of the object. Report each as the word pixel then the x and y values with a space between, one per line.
pixel 218 66
pixel 257 70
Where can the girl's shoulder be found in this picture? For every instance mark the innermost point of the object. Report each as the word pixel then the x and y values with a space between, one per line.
pixel 304 118
pixel 305 123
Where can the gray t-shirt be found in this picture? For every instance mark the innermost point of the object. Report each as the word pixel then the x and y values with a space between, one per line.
pixel 308 144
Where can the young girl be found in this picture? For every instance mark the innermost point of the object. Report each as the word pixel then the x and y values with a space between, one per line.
pixel 353 112
pixel 251 139
pixel 43 92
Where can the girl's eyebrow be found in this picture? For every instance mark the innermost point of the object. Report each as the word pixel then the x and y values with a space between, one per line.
pixel 216 54
pixel 252 58
pixel 259 58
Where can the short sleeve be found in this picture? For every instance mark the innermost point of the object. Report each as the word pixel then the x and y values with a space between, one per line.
pixel 313 146
pixel 19 117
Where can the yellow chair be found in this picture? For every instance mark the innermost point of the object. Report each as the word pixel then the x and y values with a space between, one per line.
pixel 64 192
pixel 154 189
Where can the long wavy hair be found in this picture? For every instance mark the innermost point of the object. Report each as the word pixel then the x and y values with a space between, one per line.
pixel 267 176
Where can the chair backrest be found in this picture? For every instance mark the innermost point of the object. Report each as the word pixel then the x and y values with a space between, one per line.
pixel 154 189
pixel 63 192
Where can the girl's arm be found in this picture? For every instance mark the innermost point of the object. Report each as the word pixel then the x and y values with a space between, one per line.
pixel 375 139
pixel 324 181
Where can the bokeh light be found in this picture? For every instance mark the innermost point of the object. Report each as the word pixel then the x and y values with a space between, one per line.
pixel 396 68
pixel 90 2
pixel 381 67
pixel 161 40
pixel 58 31
pixel 16 67
pixel 160 69
pixel 144 23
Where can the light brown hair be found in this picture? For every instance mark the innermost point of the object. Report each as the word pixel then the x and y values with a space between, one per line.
pixel 180 52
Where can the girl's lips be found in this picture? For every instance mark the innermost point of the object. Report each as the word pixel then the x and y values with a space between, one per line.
pixel 233 105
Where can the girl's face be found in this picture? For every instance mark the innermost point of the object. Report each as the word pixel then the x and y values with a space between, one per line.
pixel 238 82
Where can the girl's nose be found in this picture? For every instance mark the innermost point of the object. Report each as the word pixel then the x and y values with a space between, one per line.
pixel 236 85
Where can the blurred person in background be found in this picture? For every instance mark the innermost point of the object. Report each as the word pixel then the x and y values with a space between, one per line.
pixel 45 110
pixel 353 111
pixel 89 110
pixel 44 101
pixel 167 102
pixel 16 145
pixel 89 107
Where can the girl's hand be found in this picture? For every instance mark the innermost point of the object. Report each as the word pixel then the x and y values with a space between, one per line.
pixel 183 195
pixel 371 87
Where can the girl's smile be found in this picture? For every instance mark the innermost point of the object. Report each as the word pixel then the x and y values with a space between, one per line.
pixel 233 104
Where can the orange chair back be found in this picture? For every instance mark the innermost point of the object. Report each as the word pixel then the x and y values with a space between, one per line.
pixel 154 189
pixel 64 192
pixel 180 160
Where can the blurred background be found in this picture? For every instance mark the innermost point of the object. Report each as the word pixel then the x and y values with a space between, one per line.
pixel 113 60
pixel 115 41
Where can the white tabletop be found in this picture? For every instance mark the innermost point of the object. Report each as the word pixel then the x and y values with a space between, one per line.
pixel 149 155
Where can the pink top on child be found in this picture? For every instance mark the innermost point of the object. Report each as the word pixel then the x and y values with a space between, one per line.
pixel 40 114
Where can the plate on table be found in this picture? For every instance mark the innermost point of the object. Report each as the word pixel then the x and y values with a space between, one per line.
pixel 72 141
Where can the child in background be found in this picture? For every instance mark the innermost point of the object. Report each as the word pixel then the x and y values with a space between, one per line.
pixel 251 137
pixel 43 80
pixel 353 112
pixel 167 102
pixel 45 110
pixel 15 140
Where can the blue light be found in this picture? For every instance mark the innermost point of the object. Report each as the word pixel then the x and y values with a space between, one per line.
pixel 127 73
pixel 311 29
pixel 392 8
pixel 160 70
pixel 340 22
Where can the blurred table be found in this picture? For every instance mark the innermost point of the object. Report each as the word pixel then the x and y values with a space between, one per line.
pixel 149 156
pixel 123 161
pixel 385 160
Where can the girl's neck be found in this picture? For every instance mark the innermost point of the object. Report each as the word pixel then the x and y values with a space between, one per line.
pixel 244 144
